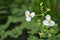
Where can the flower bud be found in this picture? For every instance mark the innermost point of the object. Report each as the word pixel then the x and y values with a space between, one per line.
pixel 41 35
pixel 52 31
pixel 41 3
pixel 38 22
pixel 49 35
pixel 45 30
pixel 48 9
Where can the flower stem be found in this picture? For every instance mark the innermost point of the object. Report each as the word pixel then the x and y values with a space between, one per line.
pixel 42 28
pixel 45 12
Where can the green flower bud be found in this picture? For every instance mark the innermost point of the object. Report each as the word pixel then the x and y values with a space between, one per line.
pixel 41 3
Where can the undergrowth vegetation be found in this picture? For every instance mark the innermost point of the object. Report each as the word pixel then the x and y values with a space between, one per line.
pixel 29 19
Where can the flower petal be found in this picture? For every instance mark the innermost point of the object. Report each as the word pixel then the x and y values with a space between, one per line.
pixel 26 13
pixel 52 23
pixel 28 19
pixel 45 22
pixel 48 17
pixel 32 14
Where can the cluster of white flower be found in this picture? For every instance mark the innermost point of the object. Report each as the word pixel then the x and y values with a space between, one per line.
pixel 47 22
pixel 29 15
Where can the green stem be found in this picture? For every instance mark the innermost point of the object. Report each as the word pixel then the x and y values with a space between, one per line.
pixel 45 12
pixel 42 28
pixel 38 15
pixel 47 27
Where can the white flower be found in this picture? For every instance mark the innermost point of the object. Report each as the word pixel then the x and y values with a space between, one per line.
pixel 29 15
pixel 48 21
pixel 32 14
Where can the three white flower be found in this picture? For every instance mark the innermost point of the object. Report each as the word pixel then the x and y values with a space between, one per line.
pixel 48 21
pixel 29 15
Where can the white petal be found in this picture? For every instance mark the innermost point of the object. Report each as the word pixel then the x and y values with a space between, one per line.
pixel 45 22
pixel 26 13
pixel 32 14
pixel 52 23
pixel 48 17
pixel 28 19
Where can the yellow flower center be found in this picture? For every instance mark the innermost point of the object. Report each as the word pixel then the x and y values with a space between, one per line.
pixel 29 14
pixel 49 21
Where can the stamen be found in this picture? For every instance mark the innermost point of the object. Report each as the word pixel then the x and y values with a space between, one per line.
pixel 29 14
pixel 49 21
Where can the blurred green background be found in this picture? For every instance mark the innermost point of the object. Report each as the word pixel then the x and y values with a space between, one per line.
pixel 14 11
